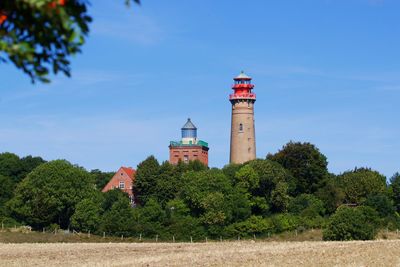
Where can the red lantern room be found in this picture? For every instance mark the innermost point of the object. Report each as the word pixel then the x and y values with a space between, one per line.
pixel 242 88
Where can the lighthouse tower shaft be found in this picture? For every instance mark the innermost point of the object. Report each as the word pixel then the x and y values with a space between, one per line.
pixel 243 142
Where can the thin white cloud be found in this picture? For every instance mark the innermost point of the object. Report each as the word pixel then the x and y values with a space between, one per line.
pixel 132 28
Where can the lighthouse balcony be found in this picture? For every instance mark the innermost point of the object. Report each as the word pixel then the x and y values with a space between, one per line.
pixel 242 86
pixel 242 96
pixel 181 144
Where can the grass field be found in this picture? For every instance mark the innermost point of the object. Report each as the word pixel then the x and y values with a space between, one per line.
pixel 244 253
pixel 44 249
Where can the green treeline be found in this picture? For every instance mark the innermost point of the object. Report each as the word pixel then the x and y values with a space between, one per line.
pixel 286 191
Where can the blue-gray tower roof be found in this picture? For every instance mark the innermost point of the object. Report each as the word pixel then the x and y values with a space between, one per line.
pixel 189 125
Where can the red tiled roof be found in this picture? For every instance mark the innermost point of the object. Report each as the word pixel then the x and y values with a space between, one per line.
pixel 131 172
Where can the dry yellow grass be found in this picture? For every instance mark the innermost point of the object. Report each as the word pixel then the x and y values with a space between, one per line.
pixel 245 253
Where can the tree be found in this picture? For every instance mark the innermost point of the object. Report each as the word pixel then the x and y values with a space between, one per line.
pixel 17 169
pixel 307 205
pixel 230 170
pixel 146 178
pixel 210 197
pixel 112 196
pixel 395 188
pixel 181 224
pixel 167 183
pixel 10 166
pixel 151 218
pixel 331 195
pixel 306 163
pixel 382 204
pixel 279 197
pixel 49 194
pixel 270 186
pixel 12 170
pixel 196 165
pixel 39 36
pixel 101 178
pixel 360 223
pixel 358 184
pixel 6 192
pixel 247 178
pixel 87 216
pixel 28 164
pixel 119 220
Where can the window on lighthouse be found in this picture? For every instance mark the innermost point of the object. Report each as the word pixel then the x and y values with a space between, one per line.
pixel 241 127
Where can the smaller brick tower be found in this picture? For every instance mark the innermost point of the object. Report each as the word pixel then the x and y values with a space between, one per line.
pixel 189 148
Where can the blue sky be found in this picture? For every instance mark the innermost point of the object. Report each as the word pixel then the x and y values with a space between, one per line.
pixel 326 72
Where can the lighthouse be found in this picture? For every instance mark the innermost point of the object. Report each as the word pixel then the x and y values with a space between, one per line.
pixel 189 148
pixel 243 140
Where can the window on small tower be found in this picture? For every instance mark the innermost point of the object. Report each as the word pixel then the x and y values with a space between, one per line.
pixel 241 127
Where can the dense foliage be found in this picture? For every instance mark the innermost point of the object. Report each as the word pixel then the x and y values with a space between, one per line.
pixel 359 184
pixel 306 163
pixel 291 190
pixel 12 170
pixel 50 193
pixel 360 223
pixel 40 36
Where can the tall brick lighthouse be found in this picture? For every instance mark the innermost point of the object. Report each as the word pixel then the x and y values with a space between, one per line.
pixel 243 140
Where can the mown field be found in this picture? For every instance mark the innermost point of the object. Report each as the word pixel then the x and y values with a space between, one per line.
pixel 243 253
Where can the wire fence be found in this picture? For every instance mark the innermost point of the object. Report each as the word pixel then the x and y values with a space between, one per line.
pixel 108 237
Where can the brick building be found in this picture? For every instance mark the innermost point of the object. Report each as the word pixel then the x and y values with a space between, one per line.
pixel 189 148
pixel 122 179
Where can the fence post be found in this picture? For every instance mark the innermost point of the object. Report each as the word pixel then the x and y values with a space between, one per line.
pixel 238 237
pixel 220 238
pixel 173 238
pixel 191 240
pixel 43 230
pixel 2 225
pixel 156 238
pixel 104 234
pixel 296 232
pixel 122 237
pixel 89 234
pixel 206 240
pixel 254 236
pixel 140 237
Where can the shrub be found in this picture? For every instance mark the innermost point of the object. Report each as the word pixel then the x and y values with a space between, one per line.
pixel 285 222
pixel 360 223
pixel 253 225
